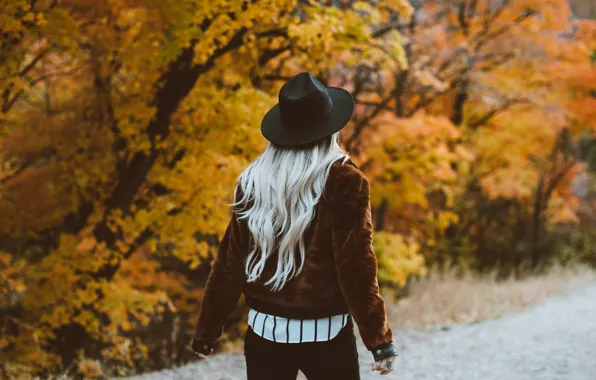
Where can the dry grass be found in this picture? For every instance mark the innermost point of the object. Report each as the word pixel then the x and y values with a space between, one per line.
pixel 446 298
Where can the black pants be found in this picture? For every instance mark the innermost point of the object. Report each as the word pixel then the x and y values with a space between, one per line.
pixel 333 359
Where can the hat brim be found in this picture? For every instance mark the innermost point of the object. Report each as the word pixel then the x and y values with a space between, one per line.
pixel 274 131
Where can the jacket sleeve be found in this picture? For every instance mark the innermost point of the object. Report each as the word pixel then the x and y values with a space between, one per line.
pixel 224 283
pixel 355 261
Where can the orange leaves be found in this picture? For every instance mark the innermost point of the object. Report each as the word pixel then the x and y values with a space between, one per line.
pixel 554 14
pixel 409 158
pixel 576 74
pixel 510 182
pixel 586 32
pixel 508 81
pixel 11 278
pixel 426 78
pixel 90 368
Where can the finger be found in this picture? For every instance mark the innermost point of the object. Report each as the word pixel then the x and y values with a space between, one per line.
pixel 379 365
pixel 376 366
pixel 388 366
pixel 389 363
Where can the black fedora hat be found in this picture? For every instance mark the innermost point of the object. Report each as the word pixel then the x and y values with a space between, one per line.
pixel 307 111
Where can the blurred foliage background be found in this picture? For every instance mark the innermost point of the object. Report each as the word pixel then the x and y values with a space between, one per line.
pixel 124 124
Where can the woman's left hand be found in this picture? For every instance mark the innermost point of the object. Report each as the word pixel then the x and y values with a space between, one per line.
pixel 384 366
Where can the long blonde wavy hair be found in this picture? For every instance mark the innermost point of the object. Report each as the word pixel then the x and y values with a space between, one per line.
pixel 285 185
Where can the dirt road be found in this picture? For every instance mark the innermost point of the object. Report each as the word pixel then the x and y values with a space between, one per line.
pixel 555 340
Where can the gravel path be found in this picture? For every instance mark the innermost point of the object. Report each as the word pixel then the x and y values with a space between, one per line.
pixel 555 340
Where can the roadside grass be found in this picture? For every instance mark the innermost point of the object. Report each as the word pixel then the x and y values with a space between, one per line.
pixel 446 297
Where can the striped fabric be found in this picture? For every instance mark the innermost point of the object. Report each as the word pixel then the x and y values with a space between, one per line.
pixel 283 330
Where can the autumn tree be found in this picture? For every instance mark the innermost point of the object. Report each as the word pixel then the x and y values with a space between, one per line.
pixel 505 77
pixel 123 127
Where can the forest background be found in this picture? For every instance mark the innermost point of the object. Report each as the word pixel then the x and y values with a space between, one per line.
pixel 124 124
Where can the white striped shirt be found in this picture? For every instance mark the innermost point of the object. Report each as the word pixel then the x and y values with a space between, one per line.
pixel 284 330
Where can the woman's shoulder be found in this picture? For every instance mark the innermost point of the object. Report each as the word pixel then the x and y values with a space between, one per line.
pixel 345 179
pixel 346 171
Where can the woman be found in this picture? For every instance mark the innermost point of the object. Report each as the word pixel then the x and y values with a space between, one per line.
pixel 299 247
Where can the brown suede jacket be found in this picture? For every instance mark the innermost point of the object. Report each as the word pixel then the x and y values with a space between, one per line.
pixel 339 273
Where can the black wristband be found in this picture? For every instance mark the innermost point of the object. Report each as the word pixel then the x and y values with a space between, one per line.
pixel 384 351
pixel 201 347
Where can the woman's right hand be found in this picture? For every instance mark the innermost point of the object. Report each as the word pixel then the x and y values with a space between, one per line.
pixel 203 356
pixel 384 366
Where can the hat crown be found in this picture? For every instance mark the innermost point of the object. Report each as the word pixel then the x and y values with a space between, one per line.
pixel 303 100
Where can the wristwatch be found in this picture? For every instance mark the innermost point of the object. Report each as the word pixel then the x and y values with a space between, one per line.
pixel 201 347
pixel 384 351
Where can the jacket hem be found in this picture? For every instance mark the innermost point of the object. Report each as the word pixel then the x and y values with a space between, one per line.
pixel 295 312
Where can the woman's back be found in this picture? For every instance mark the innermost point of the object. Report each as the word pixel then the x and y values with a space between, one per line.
pixel 299 247
pixel 339 273
pixel 316 291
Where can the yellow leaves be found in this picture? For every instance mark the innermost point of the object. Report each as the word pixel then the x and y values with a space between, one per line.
pixel 132 117
pixel 40 19
pixel 104 62
pixel 394 42
pixel 30 16
pixel 219 34
pixel 403 7
pixel 191 252
pixel 318 34
pixel 89 322
pixel 58 316
pixel 11 19
pixel 86 244
pixel 397 258
pixel 328 31
pixel 87 295
pixel 59 26
pixel 122 300
pixel 372 15
pixel 444 219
